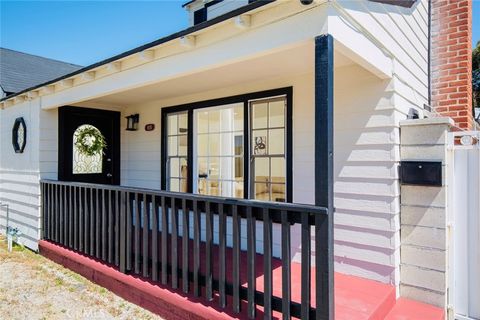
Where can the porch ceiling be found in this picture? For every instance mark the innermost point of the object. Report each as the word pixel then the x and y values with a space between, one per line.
pixel 292 61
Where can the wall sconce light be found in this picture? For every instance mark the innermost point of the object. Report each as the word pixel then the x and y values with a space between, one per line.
pixel 132 122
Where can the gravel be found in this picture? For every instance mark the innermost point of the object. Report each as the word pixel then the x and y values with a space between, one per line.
pixel 33 287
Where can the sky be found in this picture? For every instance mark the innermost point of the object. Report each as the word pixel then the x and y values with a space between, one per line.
pixel 85 32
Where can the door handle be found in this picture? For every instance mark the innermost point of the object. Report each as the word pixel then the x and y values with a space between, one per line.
pixel 109 175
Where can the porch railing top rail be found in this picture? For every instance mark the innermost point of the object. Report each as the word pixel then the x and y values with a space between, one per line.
pixel 292 207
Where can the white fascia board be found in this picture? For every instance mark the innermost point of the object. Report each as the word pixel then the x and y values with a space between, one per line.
pixel 289 32
pixel 354 44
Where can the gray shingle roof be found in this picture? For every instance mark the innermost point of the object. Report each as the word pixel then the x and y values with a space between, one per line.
pixel 19 71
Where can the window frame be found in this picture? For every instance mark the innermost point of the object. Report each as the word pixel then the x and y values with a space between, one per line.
pixel 243 98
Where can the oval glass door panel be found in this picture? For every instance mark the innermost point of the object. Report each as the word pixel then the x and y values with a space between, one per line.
pixel 82 162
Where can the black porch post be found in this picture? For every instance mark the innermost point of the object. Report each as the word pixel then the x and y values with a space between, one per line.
pixel 324 175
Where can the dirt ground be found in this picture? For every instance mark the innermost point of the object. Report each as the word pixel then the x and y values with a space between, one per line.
pixel 33 287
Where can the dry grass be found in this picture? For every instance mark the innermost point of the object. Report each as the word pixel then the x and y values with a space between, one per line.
pixel 33 287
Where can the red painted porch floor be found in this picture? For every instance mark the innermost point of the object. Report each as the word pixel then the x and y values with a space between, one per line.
pixel 355 298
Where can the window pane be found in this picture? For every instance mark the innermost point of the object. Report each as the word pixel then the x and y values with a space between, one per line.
pixel 278 192
pixel 238 118
pixel 276 141
pixel 202 122
pixel 214 187
pixel 172 124
pixel 213 168
pixel 183 185
pixel 259 115
pixel 172 146
pixel 227 144
pixel 183 168
pixel 277 113
pixel 278 170
pixel 239 145
pixel 214 121
pixel 214 144
pixel 174 185
pixel 202 145
pixel 262 169
pixel 238 187
pixel 259 144
pixel 239 167
pixel 182 123
pixel 182 145
pixel 174 167
pixel 262 191
pixel 202 167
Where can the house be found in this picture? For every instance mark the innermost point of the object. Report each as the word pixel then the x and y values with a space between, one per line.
pixel 274 130
pixel 20 71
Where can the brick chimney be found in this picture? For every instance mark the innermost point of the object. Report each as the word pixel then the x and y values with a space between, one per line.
pixel 451 60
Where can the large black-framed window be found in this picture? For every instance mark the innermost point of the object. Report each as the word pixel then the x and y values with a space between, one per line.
pixel 190 110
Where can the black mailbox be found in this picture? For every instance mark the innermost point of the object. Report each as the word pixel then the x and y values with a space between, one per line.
pixel 421 173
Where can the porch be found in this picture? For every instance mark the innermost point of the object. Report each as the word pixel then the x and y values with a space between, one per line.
pixel 140 244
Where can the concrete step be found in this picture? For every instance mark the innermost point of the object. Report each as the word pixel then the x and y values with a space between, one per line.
pixel 406 309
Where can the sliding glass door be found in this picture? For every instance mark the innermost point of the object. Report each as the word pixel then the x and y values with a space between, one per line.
pixel 237 147
pixel 219 151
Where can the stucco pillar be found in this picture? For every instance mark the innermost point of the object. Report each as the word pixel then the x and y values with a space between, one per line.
pixel 424 233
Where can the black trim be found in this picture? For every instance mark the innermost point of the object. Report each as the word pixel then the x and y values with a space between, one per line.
pixel 16 125
pixel 324 174
pixel 185 32
pixel 400 3
pixel 187 3
pixel 287 91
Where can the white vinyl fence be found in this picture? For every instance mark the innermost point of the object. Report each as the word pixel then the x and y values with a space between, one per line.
pixel 465 201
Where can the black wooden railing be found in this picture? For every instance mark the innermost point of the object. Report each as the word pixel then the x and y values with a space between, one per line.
pixel 138 230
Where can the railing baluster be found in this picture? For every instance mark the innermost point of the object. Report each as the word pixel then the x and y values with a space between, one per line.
pixel 129 216
pixel 286 270
pixel 92 222
pixel 306 265
pixel 251 255
pixel 114 238
pixel 48 212
pixel 208 253
pixel 196 248
pixel 106 238
pixel 56 221
pixel 81 219
pixel 99 245
pixel 61 214
pixel 123 231
pixel 136 219
pixel 87 224
pixel 111 203
pixel 164 241
pixel 174 215
pixel 65 216
pixel 70 221
pixel 185 239
pixel 76 225
pixel 145 231
pixel 236 259
pixel 154 238
pixel 267 264
pixel 222 220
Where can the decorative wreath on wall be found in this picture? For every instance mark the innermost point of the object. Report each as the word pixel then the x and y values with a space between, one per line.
pixel 89 140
